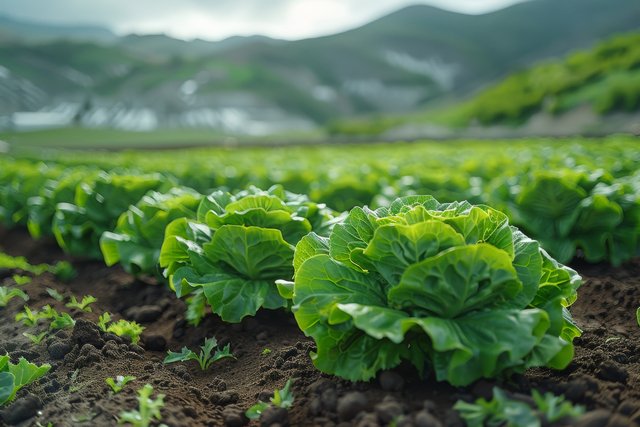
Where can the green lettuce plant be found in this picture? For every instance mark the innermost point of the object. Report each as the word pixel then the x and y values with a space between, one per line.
pixel 238 247
pixel 78 226
pixel 571 210
pixel 136 241
pixel 451 288
pixel 15 376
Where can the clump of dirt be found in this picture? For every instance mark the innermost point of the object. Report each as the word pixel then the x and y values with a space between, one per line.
pixel 270 349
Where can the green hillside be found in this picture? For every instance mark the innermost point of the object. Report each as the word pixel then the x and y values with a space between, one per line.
pixel 606 77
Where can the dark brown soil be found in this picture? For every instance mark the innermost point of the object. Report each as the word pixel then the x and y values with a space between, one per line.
pixel 604 376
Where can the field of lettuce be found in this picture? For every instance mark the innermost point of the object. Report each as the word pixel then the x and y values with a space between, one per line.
pixel 407 284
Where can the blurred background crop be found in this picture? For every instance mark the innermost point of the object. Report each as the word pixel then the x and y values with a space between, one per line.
pixel 110 73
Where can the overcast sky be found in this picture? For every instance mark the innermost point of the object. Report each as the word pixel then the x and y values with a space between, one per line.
pixel 216 19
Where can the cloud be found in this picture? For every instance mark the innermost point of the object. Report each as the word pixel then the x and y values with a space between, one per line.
pixel 215 19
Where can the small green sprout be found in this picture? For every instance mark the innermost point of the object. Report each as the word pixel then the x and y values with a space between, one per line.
pixel 127 328
pixel 638 316
pixel 119 382
pixel 84 418
pixel 62 321
pixel 21 280
pixel 27 317
pixel 555 408
pixel 36 339
pixel 87 300
pixel 148 409
pixel 30 317
pixel 103 320
pixel 502 410
pixel 73 386
pixel 64 271
pixel 122 327
pixel 48 312
pixel 55 294
pixel 7 294
pixel 281 398
pixel 266 351
pixel 205 359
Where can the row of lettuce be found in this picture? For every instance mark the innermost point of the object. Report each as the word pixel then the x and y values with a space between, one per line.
pixel 452 288
pixel 576 197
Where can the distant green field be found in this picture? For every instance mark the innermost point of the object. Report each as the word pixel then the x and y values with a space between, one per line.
pixel 76 137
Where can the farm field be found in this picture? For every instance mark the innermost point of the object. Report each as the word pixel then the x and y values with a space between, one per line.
pixel 255 247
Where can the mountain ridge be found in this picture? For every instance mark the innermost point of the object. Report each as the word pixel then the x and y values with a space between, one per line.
pixel 397 63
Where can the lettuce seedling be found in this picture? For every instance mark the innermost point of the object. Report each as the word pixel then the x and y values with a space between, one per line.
pixel 502 410
pixel 15 376
pixel 205 359
pixel 7 294
pixel 281 398
pixel 119 382
pixel 20 280
pixel 64 271
pixel 148 409
pixel 62 321
pixel 36 339
pixel 103 321
pixel 122 327
pixel 28 317
pixel 238 247
pixel 126 328
pixel 55 294
pixel 449 287
pixel 87 300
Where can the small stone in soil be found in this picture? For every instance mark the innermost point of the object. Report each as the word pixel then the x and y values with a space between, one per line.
pixel 597 418
pixel 233 417
pixel 21 409
pixel 155 342
pixel 351 404
pixel 274 415
pixel 329 399
pixel 388 411
pixel 58 349
pixel 425 419
pixel 144 313
pixel 609 371
pixel 391 381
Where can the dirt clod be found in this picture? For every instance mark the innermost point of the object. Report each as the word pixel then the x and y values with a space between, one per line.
pixel 274 416
pixel 59 349
pixel 351 404
pixel 391 381
pixel 597 418
pixel 609 371
pixel 234 417
pixel 86 332
pixel 22 409
pixel 425 419
pixel 388 411
pixel 143 313
pixel 155 342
